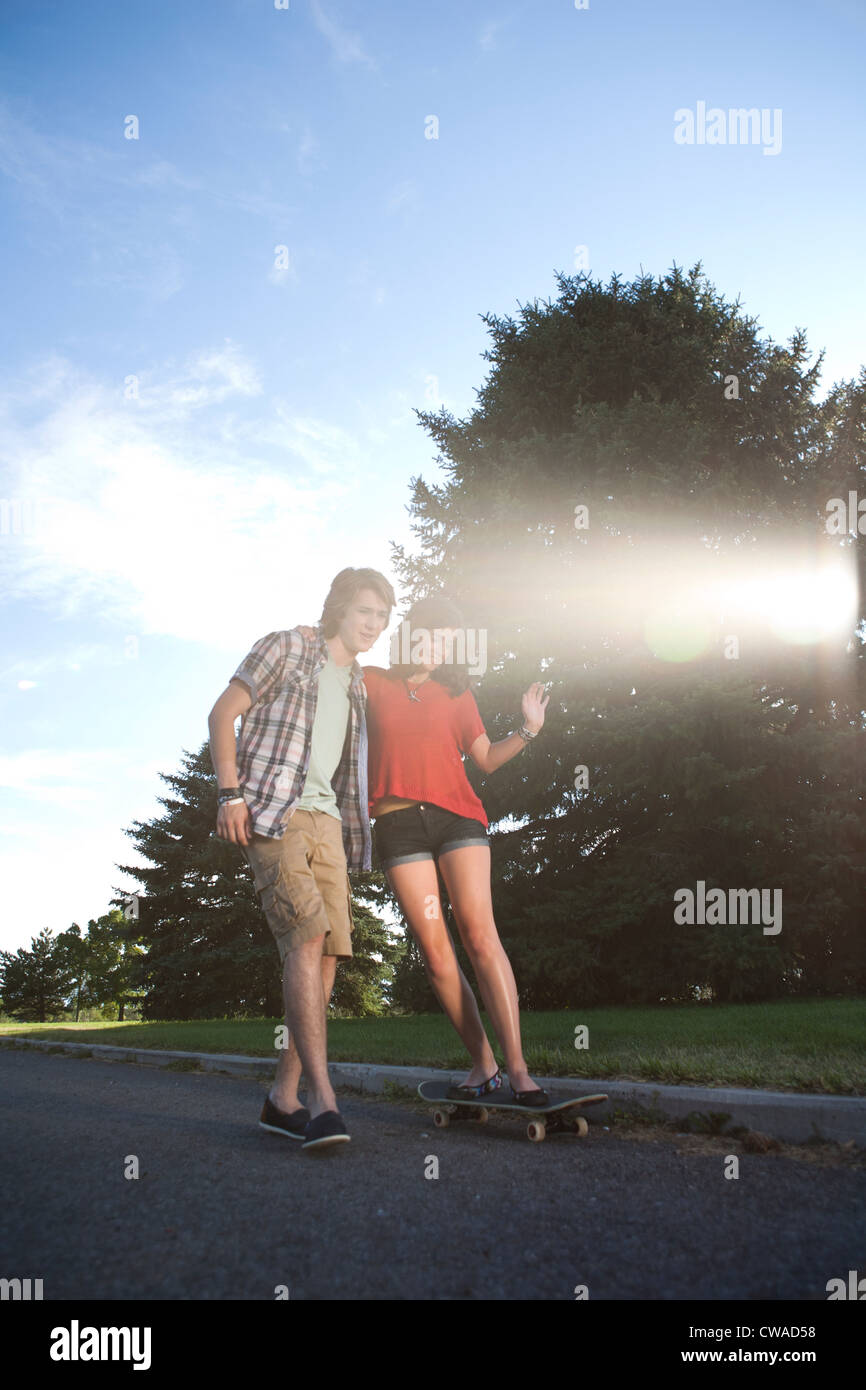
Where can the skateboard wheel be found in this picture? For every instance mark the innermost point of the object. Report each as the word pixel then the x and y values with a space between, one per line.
pixel 536 1131
pixel 441 1119
pixel 580 1127
pixel 481 1115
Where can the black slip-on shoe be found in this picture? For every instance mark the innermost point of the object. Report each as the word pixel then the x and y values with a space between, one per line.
pixel 326 1129
pixel 278 1122
pixel 529 1098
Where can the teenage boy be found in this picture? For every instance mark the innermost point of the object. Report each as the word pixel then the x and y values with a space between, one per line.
pixel 293 795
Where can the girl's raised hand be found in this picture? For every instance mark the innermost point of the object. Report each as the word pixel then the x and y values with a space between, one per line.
pixel 533 707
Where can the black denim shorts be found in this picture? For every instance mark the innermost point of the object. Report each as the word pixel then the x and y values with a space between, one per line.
pixel 423 832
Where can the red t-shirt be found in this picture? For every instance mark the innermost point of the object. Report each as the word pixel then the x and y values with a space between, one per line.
pixel 415 745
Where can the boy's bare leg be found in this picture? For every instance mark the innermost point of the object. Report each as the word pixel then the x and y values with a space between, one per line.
pixel 308 979
pixel 284 1092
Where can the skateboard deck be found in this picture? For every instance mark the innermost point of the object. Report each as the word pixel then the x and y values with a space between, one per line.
pixel 561 1115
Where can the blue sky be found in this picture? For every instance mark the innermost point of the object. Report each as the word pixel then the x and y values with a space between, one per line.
pixel 197 435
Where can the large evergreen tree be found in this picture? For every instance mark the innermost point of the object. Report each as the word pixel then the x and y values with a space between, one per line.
pixel 659 408
pixel 209 950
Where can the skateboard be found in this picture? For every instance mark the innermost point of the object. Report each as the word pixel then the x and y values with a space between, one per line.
pixel 546 1119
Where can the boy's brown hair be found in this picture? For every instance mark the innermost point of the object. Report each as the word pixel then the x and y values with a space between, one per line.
pixel 343 589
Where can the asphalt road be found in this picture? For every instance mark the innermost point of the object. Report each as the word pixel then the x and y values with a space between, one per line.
pixel 225 1210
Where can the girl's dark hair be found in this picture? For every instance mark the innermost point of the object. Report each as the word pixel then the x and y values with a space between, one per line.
pixel 435 611
pixel 343 590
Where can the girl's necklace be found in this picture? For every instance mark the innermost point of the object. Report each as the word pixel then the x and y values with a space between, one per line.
pixel 411 692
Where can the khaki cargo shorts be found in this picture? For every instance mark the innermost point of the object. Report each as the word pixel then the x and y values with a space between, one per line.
pixel 303 884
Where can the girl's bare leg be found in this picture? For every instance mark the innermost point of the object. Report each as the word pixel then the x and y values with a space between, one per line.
pixel 417 889
pixel 467 877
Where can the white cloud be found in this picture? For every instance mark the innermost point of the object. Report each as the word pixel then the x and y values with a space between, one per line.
pixel 346 47
pixel 67 810
pixel 404 198
pixel 166 513
pixel 208 379
pixel 488 33
pixel 75 872
pixel 74 658
pixel 63 778
pixel 137 194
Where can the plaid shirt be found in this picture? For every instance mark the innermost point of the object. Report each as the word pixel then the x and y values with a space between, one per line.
pixel 273 747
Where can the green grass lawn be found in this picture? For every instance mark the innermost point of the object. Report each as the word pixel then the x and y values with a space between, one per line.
pixel 803 1045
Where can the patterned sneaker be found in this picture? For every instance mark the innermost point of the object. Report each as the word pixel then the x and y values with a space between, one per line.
pixel 473 1092
pixel 278 1122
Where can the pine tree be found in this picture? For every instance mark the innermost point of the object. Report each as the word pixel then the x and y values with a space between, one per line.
pixel 657 407
pixel 36 984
